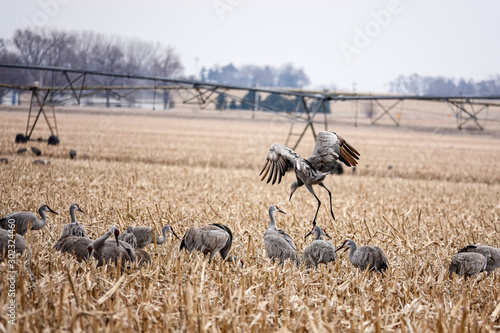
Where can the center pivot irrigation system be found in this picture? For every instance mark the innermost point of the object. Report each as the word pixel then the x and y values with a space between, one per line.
pixel 307 104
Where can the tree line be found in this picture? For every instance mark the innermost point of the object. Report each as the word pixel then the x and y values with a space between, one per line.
pixel 99 52
pixel 251 75
pixel 441 86
pixel 83 50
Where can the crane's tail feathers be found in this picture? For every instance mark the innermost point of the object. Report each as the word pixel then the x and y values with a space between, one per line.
pixel 467 248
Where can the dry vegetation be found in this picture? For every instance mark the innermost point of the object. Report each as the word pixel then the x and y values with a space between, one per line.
pixel 442 192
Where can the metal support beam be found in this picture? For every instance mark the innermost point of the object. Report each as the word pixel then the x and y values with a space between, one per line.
pixel 41 111
pixel 466 108
pixel 310 113
pixel 386 112
pixel 470 114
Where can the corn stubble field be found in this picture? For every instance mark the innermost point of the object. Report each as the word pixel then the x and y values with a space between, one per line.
pixel 195 168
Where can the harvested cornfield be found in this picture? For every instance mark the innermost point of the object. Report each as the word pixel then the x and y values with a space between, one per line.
pixel 420 196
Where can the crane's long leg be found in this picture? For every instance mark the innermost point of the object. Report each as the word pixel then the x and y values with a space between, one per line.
pixel 330 195
pixel 212 254
pixel 310 188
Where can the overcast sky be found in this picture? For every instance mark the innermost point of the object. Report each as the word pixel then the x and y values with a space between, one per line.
pixel 337 43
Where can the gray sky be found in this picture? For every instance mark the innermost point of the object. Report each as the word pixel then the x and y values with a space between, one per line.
pixel 335 42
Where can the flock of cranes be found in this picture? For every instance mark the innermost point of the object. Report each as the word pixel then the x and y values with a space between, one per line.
pixel 128 247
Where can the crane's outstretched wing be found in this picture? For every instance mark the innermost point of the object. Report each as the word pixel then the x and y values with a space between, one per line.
pixel 280 159
pixel 329 148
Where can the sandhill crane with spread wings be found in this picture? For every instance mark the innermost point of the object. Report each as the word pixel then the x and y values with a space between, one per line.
pixel 312 171
pixel 22 220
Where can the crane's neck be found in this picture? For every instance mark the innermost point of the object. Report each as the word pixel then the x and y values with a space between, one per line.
pixel 99 242
pixel 164 232
pixel 317 230
pixel 272 222
pixel 39 224
pixel 353 247
pixel 72 213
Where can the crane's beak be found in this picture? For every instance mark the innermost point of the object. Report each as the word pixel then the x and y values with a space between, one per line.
pixel 279 210
pixel 341 246
pixel 172 230
pixel 310 232
pixel 52 211
pixel 327 235
pixel 80 210
pixel 117 240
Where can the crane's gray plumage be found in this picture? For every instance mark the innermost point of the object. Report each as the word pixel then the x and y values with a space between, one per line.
pixel 23 219
pixel 19 247
pixel 141 256
pixel 365 257
pixel 319 251
pixel 468 263
pixel 113 251
pixel 494 258
pixel 144 235
pixel 76 246
pixel 128 238
pixel 279 245
pixel 211 239
pixel 312 171
pixel 19 242
pixel 74 228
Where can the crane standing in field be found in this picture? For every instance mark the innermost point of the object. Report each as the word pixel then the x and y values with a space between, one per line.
pixel 23 219
pixel 279 245
pixel 493 261
pixel 211 239
pixel 112 250
pixel 77 246
pixel 19 247
pixel 468 263
pixel 141 256
pixel 320 250
pixel 365 257
pixel 145 235
pixel 74 228
pixel 312 171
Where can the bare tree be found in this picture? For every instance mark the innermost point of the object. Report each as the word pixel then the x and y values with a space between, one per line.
pixel 7 75
pixel 43 47
pixel 166 63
